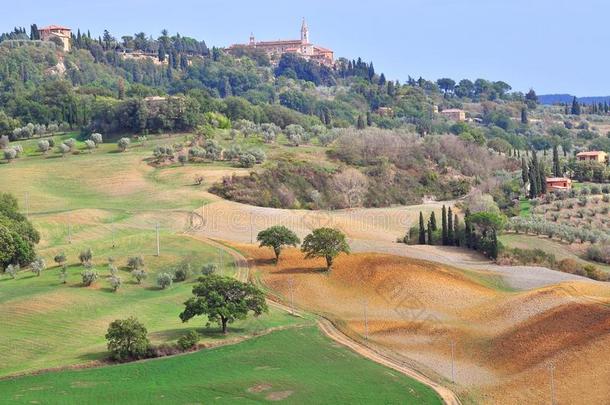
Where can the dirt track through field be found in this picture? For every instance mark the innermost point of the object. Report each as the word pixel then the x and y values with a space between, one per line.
pixel 327 327
pixel 372 230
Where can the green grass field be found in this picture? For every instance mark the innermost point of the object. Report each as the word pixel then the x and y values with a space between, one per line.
pixel 299 365
pixel 97 200
pixel 110 202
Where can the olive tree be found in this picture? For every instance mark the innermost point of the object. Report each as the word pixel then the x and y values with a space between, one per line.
pixel 97 138
pixel 90 144
pixel 38 265
pixel 89 277
pixel 123 144
pixel 44 146
pixel 10 154
pixel 12 270
pixel 164 280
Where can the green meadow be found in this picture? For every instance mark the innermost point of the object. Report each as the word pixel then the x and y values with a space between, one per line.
pixel 298 365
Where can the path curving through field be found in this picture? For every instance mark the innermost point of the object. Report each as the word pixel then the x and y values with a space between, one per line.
pixel 332 332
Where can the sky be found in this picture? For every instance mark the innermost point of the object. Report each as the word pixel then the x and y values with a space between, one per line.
pixel 553 46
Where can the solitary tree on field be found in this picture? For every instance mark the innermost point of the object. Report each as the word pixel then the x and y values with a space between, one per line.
pixel 123 144
pixel 38 265
pixel 276 238
pixel 325 242
pixel 127 340
pixel 223 300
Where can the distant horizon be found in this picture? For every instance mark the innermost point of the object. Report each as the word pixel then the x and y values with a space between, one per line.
pixel 525 44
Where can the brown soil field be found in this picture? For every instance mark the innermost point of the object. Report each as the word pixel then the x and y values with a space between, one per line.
pixel 503 340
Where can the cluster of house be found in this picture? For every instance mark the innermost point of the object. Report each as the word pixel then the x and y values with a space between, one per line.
pixel 302 47
pixel 564 183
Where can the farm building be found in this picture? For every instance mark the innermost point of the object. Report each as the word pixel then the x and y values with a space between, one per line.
pixel 594 156
pixel 454 114
pixel 558 184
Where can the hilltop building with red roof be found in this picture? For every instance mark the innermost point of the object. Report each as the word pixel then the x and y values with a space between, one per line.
pixel 302 47
pixel 64 34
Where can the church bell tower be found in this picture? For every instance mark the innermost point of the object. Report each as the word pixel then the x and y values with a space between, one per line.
pixel 304 33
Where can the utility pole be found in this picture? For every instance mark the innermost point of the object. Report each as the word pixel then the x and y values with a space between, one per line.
pixel 452 361
pixel 366 320
pixel 158 244
pixel 112 230
pixel 291 287
pixel 251 229
pixel 552 371
pixel 69 230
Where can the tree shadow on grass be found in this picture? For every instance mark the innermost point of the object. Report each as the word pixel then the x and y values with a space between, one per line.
pixel 213 332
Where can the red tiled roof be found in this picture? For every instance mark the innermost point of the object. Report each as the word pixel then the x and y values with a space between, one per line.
pixel 558 179
pixel 322 49
pixel 54 28
pixel 591 153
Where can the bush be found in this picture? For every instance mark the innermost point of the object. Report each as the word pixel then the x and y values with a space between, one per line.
pixel 89 277
pixel 115 282
pixel 85 256
pixel 97 138
pixel 247 160
pixel 44 146
pixel 599 253
pixel 12 270
pixel 71 142
pixel 182 272
pixel 10 154
pixel 570 266
pixel 123 144
pixel 164 280
pixel 128 340
pixel 209 269
pixel 38 265
pixel 135 262
pixel 139 275
pixel 90 144
pixel 188 341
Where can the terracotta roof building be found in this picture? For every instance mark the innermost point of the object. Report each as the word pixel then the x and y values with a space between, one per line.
pixel 64 34
pixel 558 184
pixel 594 156
pixel 302 47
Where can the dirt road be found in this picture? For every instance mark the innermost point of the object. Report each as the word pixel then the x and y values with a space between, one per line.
pixel 243 272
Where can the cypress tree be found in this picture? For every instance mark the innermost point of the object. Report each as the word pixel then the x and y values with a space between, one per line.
pixel 430 241
pixel 542 178
pixel 422 229
pixel 556 166
pixel 444 226
pixel 467 230
pixel 433 221
pixel 575 107
pixel 369 119
pixel 524 171
pixel 493 248
pixel 450 232
pixel 360 124
pixel 524 118
pixel 456 233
